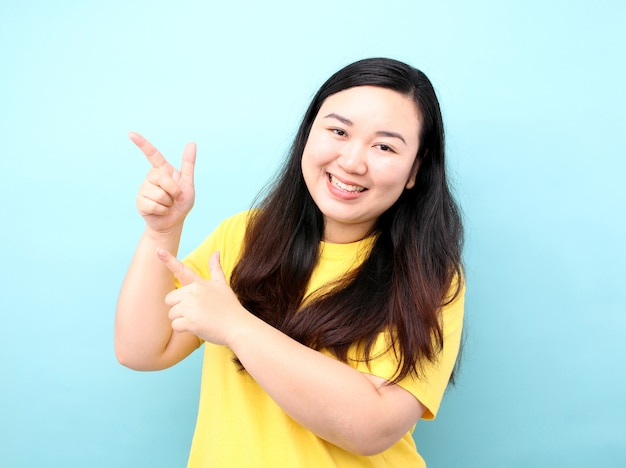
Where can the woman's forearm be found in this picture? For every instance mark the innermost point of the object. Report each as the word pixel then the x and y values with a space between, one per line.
pixel 336 402
pixel 143 334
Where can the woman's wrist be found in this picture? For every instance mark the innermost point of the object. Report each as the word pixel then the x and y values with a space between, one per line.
pixel 164 237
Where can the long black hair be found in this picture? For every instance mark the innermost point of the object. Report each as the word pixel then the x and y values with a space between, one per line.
pixel 406 279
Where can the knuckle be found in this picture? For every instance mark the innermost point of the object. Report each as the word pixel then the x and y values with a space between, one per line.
pixel 163 198
pixel 157 209
pixel 153 175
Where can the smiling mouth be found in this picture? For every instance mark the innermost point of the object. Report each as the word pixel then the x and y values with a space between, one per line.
pixel 345 187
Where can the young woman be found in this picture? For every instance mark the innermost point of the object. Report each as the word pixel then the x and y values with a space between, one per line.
pixel 330 314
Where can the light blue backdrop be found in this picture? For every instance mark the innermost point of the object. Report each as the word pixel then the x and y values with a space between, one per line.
pixel 533 96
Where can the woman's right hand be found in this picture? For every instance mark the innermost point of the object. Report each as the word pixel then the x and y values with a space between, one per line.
pixel 167 194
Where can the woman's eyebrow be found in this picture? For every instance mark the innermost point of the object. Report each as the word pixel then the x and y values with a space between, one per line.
pixel 384 133
pixel 341 119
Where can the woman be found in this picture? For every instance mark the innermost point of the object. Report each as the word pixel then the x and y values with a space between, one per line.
pixel 332 318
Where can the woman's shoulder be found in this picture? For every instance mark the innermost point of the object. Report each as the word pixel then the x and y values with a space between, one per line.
pixel 236 222
pixel 229 232
pixel 227 238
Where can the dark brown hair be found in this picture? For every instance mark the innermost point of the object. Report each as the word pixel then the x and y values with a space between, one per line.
pixel 405 280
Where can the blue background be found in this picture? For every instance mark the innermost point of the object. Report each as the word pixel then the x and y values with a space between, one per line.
pixel 533 95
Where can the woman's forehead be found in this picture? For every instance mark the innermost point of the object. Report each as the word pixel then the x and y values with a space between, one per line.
pixel 373 106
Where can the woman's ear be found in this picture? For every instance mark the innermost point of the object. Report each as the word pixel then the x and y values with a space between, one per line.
pixel 411 182
pixel 413 175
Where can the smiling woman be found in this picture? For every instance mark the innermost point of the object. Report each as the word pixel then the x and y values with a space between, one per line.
pixel 357 161
pixel 331 314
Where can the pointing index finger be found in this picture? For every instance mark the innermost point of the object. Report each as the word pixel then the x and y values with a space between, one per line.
pixel 154 155
pixel 183 273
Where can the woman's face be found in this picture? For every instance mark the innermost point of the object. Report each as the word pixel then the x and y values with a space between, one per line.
pixel 359 157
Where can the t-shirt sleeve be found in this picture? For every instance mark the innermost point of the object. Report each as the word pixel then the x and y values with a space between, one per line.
pixel 430 386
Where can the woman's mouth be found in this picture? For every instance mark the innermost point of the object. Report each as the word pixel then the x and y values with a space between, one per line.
pixel 345 187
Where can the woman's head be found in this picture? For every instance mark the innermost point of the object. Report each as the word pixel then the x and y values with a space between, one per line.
pixel 390 78
pixel 359 157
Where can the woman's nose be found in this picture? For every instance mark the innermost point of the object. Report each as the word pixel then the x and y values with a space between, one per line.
pixel 352 158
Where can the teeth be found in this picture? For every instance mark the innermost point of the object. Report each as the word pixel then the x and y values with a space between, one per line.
pixel 348 188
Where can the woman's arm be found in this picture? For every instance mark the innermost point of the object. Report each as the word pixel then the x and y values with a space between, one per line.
pixel 360 413
pixel 355 411
pixel 143 334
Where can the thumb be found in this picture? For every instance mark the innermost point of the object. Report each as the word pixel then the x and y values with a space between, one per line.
pixel 183 273
pixel 217 274
pixel 188 163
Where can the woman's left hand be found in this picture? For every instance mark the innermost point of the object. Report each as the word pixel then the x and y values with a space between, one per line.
pixel 207 308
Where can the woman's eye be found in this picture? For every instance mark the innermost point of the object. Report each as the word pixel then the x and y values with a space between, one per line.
pixel 385 147
pixel 338 131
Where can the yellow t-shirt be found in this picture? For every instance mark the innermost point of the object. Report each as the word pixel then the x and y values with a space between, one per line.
pixel 239 425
